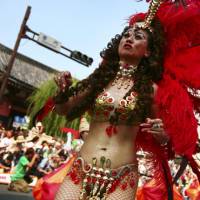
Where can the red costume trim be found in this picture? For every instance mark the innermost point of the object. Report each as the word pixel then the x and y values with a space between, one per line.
pixel 45 110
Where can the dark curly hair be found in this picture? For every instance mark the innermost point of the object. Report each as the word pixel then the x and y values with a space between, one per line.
pixel 149 70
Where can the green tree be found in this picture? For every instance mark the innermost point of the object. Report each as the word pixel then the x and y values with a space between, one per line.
pixel 52 122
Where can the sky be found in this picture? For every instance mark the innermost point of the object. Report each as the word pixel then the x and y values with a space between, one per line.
pixel 83 25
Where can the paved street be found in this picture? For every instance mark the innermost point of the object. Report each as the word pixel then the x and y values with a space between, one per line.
pixel 9 195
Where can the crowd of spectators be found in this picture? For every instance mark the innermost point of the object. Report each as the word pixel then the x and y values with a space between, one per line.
pixel 14 144
pixel 49 152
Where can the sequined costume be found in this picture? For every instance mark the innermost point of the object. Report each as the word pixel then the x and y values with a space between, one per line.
pixel 176 97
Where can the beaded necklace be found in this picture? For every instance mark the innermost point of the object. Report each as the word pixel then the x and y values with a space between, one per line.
pixel 123 77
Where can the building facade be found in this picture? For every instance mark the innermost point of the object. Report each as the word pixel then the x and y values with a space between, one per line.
pixel 26 76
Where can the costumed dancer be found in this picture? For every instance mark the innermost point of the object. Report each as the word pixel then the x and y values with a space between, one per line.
pixel 141 96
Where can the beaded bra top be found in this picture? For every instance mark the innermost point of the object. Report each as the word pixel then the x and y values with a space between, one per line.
pixel 105 107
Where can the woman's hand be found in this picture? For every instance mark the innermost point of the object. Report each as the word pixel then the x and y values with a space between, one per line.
pixel 156 128
pixel 63 81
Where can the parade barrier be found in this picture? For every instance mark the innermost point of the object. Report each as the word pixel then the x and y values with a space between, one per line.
pixel 5 179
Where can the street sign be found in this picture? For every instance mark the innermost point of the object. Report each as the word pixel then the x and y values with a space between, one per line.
pixel 49 42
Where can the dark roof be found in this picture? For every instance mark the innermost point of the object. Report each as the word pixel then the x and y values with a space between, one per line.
pixel 25 69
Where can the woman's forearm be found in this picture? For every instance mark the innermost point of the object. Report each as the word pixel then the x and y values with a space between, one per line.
pixel 64 108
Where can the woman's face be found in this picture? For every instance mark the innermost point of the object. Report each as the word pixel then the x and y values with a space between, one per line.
pixel 133 45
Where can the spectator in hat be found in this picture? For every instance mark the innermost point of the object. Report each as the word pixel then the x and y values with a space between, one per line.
pixel 32 141
pixel 8 139
pixel 77 143
pixel 38 130
pixel 84 128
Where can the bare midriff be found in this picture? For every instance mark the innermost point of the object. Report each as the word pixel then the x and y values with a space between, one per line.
pixel 119 148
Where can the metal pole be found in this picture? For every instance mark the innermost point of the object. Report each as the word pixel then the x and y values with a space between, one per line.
pixel 14 53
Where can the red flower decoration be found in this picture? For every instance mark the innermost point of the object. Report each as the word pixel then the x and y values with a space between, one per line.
pixel 124 186
pixel 110 100
pixel 123 102
pixel 129 98
pixel 134 94
pixel 132 183
pixel 106 94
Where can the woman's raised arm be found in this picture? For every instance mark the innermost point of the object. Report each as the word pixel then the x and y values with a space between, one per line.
pixel 65 107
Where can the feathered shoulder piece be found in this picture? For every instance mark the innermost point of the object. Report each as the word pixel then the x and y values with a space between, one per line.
pixel 182 33
pixel 181 23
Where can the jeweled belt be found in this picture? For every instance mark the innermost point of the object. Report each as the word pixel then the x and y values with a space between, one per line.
pixel 98 182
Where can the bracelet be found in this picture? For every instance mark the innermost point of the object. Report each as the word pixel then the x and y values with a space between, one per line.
pixel 60 97
pixel 163 144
